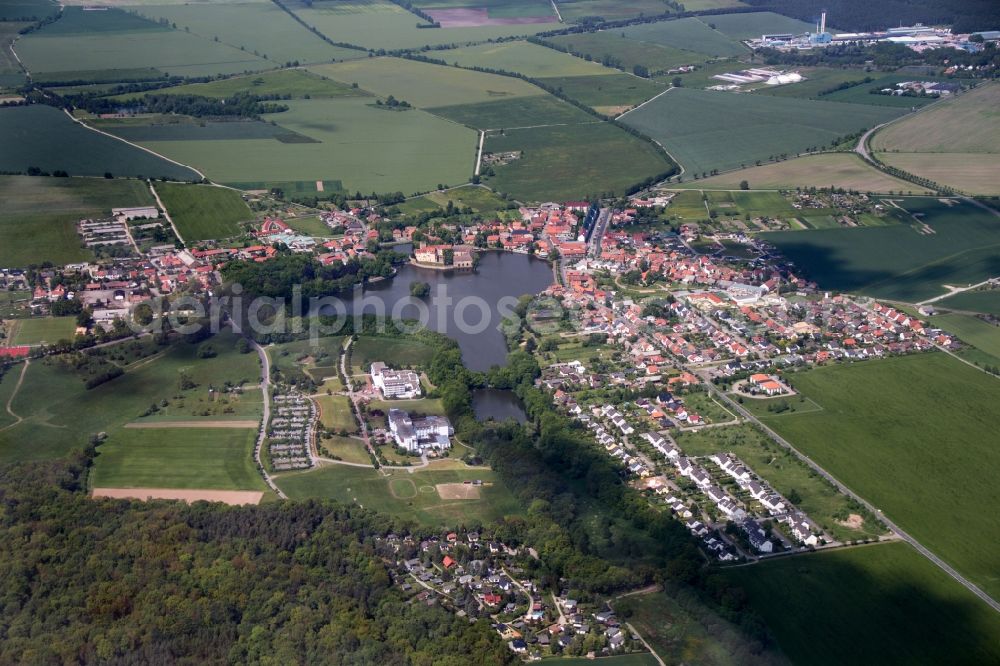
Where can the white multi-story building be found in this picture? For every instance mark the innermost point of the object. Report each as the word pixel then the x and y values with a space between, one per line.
pixel 395 383
pixel 420 435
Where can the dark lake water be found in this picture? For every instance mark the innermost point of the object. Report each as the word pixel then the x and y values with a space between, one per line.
pixel 497 404
pixel 464 305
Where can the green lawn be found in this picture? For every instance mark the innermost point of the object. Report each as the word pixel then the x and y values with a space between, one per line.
pixel 405 495
pixel 309 226
pixel 914 436
pixel 986 301
pixel 202 212
pixel 43 330
pixel 784 472
pixel 45 137
pixel 345 448
pixel 416 406
pixel 565 163
pixel 336 413
pixel 210 458
pixel 707 130
pixel 69 414
pixel 880 604
pixel 961 250
pixel 395 352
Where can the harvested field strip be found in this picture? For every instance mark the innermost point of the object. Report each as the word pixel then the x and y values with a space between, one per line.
pixel 231 497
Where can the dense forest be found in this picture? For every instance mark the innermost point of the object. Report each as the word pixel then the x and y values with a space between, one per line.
pixel 240 105
pixel 117 582
pixel 859 15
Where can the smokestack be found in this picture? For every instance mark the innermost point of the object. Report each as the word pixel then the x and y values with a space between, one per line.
pixel 822 22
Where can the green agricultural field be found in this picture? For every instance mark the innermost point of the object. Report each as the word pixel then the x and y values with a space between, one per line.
pixel 752 26
pixel 680 634
pixel 394 352
pixel 880 604
pixel 31 237
pixel 981 300
pixel 202 458
pixel 688 34
pixel 406 495
pixel 42 330
pixel 732 204
pixel 862 93
pixel 541 109
pixel 426 85
pixel 96 41
pixel 10 72
pixel 784 472
pixel 336 413
pixel 70 414
pixel 610 45
pixel 817 80
pixel 364 147
pixel 905 433
pixel 380 24
pixel 610 95
pixel 966 124
pixel 971 330
pixel 298 83
pixel 259 28
pixel 27 10
pixel 202 212
pixel 611 10
pixel 707 130
pixel 973 173
pixel 845 170
pixel 47 138
pixel 960 249
pixel 565 163
pixel 522 57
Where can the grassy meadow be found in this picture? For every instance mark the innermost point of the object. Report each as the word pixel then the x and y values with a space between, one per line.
pixel 203 212
pixel 336 413
pixel 45 137
pixel 298 83
pixel 845 170
pixel 565 163
pixel 394 352
pixel 960 249
pixel 28 236
pixel 881 604
pixel 406 494
pixel 986 301
pixel 202 458
pixel 912 435
pixel 707 130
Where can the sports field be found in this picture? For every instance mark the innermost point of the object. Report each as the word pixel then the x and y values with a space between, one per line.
pixel 426 85
pixel 707 130
pixel 563 163
pixel 880 604
pixel 257 27
pixel 628 52
pixel 203 212
pixel 906 434
pixel 69 413
pixel 298 83
pixel 986 301
pixel 28 236
pixel 379 24
pixel 405 495
pixel 845 170
pixel 42 330
pixel 365 147
pixel 689 34
pixel 97 41
pixel 522 57
pixel 938 242
pixel 47 138
pixel 219 458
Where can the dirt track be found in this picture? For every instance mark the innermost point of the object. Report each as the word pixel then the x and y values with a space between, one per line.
pixel 453 491
pixel 233 497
